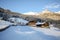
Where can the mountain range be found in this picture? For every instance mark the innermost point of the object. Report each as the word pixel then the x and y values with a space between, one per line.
pixel 44 15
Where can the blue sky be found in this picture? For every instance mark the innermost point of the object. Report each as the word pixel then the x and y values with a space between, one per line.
pixel 23 6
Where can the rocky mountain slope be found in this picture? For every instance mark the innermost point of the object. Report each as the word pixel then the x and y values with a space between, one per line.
pixel 46 14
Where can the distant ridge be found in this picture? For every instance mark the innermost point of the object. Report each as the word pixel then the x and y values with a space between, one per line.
pixel 31 13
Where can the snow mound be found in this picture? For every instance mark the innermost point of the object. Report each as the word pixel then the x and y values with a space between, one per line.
pixel 4 24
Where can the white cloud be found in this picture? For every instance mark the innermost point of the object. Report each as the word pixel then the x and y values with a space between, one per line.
pixel 58 12
pixel 52 6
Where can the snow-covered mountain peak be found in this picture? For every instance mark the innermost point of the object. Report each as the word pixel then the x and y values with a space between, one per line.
pixel 31 13
pixel 46 11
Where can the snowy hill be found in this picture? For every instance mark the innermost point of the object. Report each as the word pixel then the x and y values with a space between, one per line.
pixel 28 32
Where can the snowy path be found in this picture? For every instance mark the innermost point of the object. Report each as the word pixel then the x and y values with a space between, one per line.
pixel 29 33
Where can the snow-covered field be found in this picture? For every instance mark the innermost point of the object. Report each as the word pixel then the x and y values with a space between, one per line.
pixel 28 32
